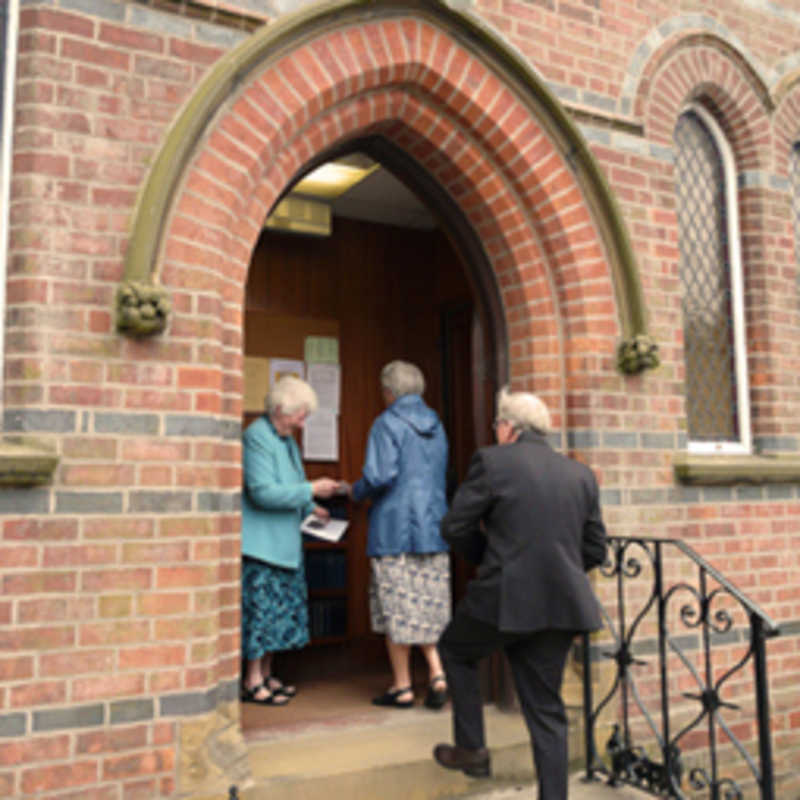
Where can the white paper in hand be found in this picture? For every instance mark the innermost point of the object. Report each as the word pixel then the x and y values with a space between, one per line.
pixel 331 531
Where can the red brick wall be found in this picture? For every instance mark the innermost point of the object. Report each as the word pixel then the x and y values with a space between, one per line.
pixel 118 587
pixel 119 607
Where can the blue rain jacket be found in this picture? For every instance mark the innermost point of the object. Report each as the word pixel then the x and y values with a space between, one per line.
pixel 276 496
pixel 404 475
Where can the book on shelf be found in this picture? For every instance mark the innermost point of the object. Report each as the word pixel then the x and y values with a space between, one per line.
pixel 327 617
pixel 326 569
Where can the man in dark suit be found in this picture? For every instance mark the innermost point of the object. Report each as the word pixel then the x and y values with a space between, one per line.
pixel 530 518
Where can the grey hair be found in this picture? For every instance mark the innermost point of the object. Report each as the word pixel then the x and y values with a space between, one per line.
pixel 523 410
pixel 401 377
pixel 290 394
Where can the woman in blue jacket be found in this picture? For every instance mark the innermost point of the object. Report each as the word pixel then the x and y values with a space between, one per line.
pixel 276 497
pixel 404 476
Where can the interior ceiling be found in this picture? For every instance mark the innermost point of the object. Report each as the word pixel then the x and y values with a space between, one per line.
pixel 380 197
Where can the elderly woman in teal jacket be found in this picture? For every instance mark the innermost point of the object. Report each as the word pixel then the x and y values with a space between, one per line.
pixel 404 475
pixel 276 497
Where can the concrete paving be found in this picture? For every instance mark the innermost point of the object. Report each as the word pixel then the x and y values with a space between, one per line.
pixel 386 755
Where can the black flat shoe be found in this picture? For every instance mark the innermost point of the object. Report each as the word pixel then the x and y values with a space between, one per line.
pixel 248 695
pixel 436 698
pixel 474 763
pixel 390 698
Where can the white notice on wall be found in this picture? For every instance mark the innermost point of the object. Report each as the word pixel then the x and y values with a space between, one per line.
pixel 280 367
pixel 256 382
pixel 322 349
pixel 327 381
pixel 321 436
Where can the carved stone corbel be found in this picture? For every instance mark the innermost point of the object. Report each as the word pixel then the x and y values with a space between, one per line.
pixel 637 354
pixel 142 309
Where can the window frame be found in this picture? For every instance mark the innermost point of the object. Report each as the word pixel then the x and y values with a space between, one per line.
pixel 735 271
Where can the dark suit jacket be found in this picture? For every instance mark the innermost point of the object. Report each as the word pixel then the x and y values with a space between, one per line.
pixel 530 518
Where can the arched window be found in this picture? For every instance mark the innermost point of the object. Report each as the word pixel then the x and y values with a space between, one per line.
pixel 717 401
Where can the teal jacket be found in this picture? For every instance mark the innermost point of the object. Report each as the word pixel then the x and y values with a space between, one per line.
pixel 276 496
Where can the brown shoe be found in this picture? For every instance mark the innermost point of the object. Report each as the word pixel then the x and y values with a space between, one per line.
pixel 474 763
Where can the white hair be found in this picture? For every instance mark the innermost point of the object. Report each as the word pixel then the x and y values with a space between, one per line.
pixel 523 410
pixel 290 394
pixel 401 377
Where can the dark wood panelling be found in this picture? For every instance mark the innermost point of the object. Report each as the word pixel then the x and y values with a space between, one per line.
pixel 390 293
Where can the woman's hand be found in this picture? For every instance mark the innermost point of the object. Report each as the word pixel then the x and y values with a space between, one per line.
pixel 322 513
pixel 324 487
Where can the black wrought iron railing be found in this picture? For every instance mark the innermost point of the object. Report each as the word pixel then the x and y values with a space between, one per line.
pixel 667 685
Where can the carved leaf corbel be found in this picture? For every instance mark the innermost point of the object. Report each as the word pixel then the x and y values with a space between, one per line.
pixel 142 309
pixel 638 353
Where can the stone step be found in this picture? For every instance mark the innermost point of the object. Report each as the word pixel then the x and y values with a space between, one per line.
pixel 331 743
pixel 387 757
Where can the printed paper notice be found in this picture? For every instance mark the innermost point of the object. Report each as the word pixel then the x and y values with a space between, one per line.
pixel 279 367
pixel 332 530
pixel 326 381
pixel 322 349
pixel 321 436
pixel 256 382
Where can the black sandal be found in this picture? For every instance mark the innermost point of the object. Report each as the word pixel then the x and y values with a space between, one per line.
pixel 248 695
pixel 281 689
pixel 436 698
pixel 390 698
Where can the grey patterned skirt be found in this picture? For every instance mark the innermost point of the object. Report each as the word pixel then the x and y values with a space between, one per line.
pixel 409 596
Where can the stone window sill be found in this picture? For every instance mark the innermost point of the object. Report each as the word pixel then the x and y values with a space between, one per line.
pixel 722 470
pixel 25 462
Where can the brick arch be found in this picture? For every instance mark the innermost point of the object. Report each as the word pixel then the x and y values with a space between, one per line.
pixel 495 199
pixel 670 33
pixel 488 134
pixel 709 70
pixel 492 137
pixel 786 122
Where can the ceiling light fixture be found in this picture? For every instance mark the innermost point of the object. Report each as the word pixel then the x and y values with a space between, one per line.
pixel 332 179
pixel 306 209
pixel 300 215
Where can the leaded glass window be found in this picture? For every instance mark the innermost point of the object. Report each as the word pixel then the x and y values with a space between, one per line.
pixel 710 275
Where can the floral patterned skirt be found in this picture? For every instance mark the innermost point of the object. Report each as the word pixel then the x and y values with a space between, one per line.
pixel 409 596
pixel 274 608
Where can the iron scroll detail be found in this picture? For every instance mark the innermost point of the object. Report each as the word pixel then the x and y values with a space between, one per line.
pixel 677 642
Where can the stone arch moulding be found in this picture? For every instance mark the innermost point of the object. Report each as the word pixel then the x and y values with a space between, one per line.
pixel 458 100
